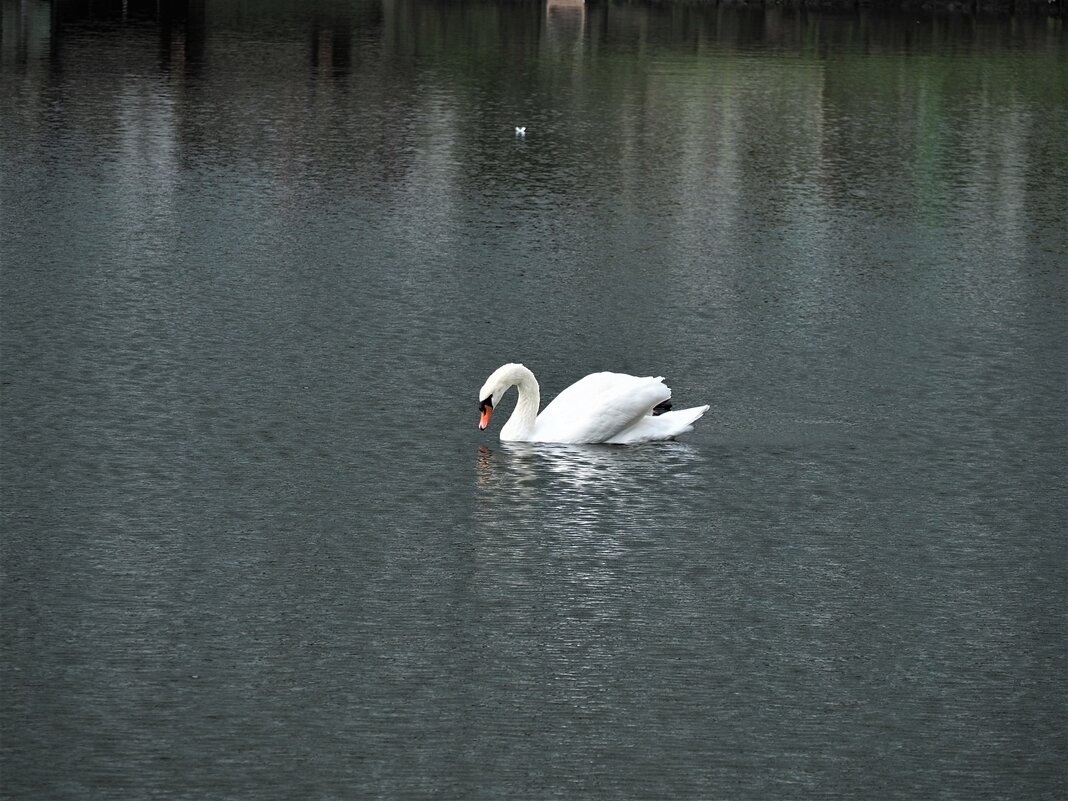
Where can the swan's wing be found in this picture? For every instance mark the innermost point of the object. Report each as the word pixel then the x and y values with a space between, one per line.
pixel 599 407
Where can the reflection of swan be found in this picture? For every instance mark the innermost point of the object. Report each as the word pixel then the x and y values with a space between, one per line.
pixel 605 471
pixel 545 491
pixel 602 407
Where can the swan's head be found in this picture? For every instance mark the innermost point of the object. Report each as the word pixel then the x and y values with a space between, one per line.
pixel 485 409
pixel 503 379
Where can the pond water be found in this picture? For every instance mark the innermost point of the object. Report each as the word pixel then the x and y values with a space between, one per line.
pixel 258 259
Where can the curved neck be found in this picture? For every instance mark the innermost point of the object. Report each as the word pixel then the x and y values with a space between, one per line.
pixel 521 423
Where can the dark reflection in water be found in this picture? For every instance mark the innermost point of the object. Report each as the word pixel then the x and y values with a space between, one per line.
pixel 255 261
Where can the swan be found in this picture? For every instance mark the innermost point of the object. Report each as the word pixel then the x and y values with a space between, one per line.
pixel 602 407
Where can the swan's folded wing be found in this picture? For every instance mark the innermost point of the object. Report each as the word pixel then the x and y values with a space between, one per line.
pixel 598 407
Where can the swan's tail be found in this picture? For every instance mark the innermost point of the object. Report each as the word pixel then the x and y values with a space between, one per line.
pixel 665 425
pixel 682 421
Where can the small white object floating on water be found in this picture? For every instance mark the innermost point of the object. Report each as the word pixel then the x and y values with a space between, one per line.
pixel 520 130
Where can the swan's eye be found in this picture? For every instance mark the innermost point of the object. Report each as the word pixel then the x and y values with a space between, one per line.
pixel 487 402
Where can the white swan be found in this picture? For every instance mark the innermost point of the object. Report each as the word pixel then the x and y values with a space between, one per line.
pixel 602 407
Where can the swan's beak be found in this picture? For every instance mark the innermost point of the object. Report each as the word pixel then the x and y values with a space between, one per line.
pixel 486 407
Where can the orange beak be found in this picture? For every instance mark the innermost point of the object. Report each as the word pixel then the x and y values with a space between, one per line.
pixel 483 421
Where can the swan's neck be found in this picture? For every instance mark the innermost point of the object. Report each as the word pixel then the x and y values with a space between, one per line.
pixel 521 424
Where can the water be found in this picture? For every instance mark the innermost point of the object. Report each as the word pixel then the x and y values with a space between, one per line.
pixel 256 263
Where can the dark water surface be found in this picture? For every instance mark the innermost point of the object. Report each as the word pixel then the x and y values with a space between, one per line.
pixel 257 260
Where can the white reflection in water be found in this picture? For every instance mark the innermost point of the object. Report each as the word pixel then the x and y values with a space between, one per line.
pixel 574 545
pixel 581 491
pixel 565 26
